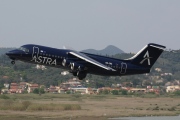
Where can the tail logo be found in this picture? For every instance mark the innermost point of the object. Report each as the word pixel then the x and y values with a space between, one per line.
pixel 146 57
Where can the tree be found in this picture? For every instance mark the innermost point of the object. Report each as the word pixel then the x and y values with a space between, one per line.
pixel 41 90
pixel 124 92
pixel 36 91
pixel 99 85
pixel 114 92
pixel 177 92
pixel 68 92
pixel 1 86
pixel 105 91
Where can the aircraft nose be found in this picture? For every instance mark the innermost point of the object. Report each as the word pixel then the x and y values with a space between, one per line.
pixel 9 53
pixel 14 53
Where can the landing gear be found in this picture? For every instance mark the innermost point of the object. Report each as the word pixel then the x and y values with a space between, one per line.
pixel 78 70
pixel 13 62
pixel 81 75
pixel 74 73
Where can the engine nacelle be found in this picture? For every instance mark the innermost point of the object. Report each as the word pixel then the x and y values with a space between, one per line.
pixel 77 67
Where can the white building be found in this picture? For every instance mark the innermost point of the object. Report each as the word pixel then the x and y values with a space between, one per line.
pixel 6 85
pixel 172 88
pixel 64 73
pixel 42 67
pixel 158 69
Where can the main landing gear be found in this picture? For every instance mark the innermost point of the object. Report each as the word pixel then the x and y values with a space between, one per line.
pixel 80 74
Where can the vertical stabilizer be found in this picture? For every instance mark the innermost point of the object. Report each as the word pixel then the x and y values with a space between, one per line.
pixel 147 56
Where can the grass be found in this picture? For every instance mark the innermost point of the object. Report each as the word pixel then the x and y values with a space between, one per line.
pixel 85 106
pixel 29 106
pixel 53 107
pixel 4 97
pixel 37 97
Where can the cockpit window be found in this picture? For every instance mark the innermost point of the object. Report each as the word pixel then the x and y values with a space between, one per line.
pixel 24 49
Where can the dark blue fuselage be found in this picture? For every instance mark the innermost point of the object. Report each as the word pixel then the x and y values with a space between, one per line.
pixel 54 57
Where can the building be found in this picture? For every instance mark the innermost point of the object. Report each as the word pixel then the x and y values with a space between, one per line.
pixel 99 90
pixel 42 67
pixel 91 91
pixel 53 89
pixel 172 88
pixel 23 85
pixel 6 85
pixel 71 83
pixel 158 69
pixel 79 89
pixel 13 88
pixel 153 89
pixel 64 73
pixel 137 90
pixel 31 87
pixel 4 91
pixel 61 90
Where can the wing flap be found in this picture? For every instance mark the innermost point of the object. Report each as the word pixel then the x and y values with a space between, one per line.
pixel 90 60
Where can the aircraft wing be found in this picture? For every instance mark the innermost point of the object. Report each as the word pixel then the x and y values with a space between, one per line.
pixel 90 60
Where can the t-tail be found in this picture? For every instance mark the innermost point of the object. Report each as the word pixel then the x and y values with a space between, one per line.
pixel 147 56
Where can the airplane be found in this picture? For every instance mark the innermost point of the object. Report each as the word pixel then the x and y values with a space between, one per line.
pixel 80 63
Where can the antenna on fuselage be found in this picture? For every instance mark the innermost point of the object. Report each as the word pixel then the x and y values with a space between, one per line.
pixel 67 47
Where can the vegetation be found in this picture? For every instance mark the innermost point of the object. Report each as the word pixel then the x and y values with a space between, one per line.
pixel 4 97
pixel 115 92
pixel 124 92
pixel 38 91
pixel 168 62
pixel 29 106
pixel 177 93
pixel 61 106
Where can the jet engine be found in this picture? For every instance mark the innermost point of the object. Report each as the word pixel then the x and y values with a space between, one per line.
pixel 78 70
pixel 76 67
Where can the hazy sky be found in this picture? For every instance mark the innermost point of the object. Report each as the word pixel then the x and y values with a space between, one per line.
pixel 82 24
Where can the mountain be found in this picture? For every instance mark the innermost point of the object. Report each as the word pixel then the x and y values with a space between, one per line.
pixel 109 50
